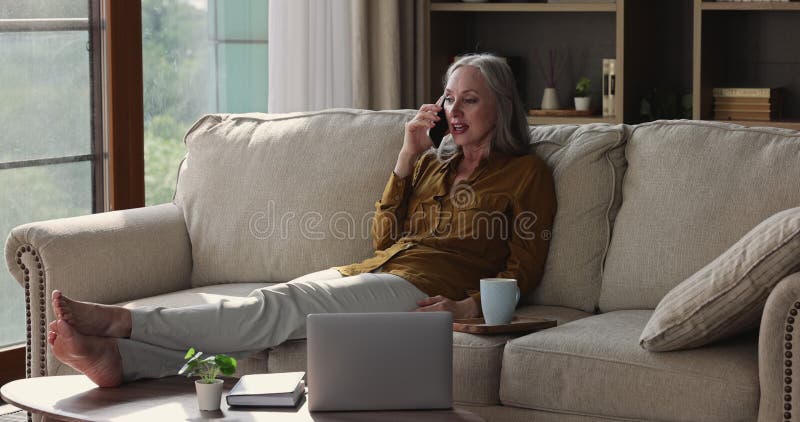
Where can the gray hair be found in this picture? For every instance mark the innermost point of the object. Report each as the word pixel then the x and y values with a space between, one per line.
pixel 511 135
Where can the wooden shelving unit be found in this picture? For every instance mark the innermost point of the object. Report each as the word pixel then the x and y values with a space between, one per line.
pixel 521 30
pixel 733 44
pixel 748 44
pixel 588 32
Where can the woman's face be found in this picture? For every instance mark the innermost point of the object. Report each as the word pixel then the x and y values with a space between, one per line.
pixel 470 108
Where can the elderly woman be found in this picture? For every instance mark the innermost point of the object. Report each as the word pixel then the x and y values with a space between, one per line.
pixel 477 206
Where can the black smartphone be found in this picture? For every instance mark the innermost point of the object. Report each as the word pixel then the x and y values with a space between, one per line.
pixel 437 132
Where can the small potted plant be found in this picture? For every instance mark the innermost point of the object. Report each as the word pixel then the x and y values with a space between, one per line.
pixel 582 98
pixel 209 387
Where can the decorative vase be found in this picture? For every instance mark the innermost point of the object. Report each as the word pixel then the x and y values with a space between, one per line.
pixel 582 103
pixel 209 396
pixel 550 99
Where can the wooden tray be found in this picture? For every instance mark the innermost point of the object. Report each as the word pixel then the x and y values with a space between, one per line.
pixel 517 325
pixel 563 113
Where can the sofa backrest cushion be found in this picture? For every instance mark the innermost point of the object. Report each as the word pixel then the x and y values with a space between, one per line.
pixel 268 198
pixel 692 189
pixel 588 163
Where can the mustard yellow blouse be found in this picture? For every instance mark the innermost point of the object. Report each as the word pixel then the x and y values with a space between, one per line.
pixel 444 239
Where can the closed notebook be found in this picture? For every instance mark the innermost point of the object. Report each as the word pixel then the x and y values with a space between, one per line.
pixel 280 389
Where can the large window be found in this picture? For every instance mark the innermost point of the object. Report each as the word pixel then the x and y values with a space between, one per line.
pixel 50 157
pixel 198 57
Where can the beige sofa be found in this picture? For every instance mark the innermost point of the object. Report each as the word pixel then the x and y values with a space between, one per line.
pixel 265 198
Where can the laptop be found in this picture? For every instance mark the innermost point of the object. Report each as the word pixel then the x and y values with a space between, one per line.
pixel 380 361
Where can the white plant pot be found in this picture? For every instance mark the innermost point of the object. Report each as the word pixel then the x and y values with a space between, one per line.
pixel 209 396
pixel 582 103
pixel 550 99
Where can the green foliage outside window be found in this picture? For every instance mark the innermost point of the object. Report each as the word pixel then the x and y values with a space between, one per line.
pixel 195 62
pixel 177 82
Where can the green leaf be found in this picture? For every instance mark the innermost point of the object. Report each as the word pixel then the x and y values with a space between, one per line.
pixel 189 353
pixel 226 364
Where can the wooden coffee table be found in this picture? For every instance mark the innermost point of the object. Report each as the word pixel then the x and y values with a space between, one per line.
pixel 75 398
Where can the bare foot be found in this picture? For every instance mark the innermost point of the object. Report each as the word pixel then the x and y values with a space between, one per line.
pixel 96 357
pixel 92 319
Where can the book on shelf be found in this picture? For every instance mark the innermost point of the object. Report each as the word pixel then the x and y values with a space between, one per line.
pixel 609 86
pixel 742 101
pixel 765 108
pixel 273 390
pixel 762 116
pixel 745 92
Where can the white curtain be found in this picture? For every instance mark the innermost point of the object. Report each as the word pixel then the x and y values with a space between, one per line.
pixel 309 55
pixel 340 53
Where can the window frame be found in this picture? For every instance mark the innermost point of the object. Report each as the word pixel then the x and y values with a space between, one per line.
pixel 124 103
pixel 117 118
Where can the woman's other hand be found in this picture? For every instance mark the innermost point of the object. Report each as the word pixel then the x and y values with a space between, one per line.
pixel 416 139
pixel 460 309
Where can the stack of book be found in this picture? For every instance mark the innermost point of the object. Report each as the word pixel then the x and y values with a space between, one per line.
pixel 759 104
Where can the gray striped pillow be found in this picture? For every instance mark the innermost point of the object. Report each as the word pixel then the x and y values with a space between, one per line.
pixel 727 296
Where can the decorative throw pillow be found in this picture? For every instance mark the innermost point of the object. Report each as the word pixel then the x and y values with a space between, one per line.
pixel 588 163
pixel 727 296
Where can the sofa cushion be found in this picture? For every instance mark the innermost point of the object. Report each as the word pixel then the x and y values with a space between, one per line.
pixel 692 189
pixel 273 197
pixel 727 296
pixel 588 163
pixel 595 367
pixel 517 414
pixel 476 358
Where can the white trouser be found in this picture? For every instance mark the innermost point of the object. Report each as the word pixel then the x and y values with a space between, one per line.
pixel 265 318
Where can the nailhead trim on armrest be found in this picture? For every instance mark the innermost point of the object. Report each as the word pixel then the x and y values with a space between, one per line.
pixel 39 272
pixel 787 369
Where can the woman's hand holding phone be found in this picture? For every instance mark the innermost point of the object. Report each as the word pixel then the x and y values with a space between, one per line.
pixel 416 139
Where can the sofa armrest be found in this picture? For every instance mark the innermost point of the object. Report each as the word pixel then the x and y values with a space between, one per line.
pixel 777 352
pixel 107 258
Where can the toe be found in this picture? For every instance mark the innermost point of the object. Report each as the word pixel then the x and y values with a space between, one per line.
pixel 63 329
pixel 56 300
pixel 51 338
pixel 52 325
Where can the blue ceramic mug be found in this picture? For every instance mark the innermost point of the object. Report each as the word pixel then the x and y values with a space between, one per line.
pixel 499 297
